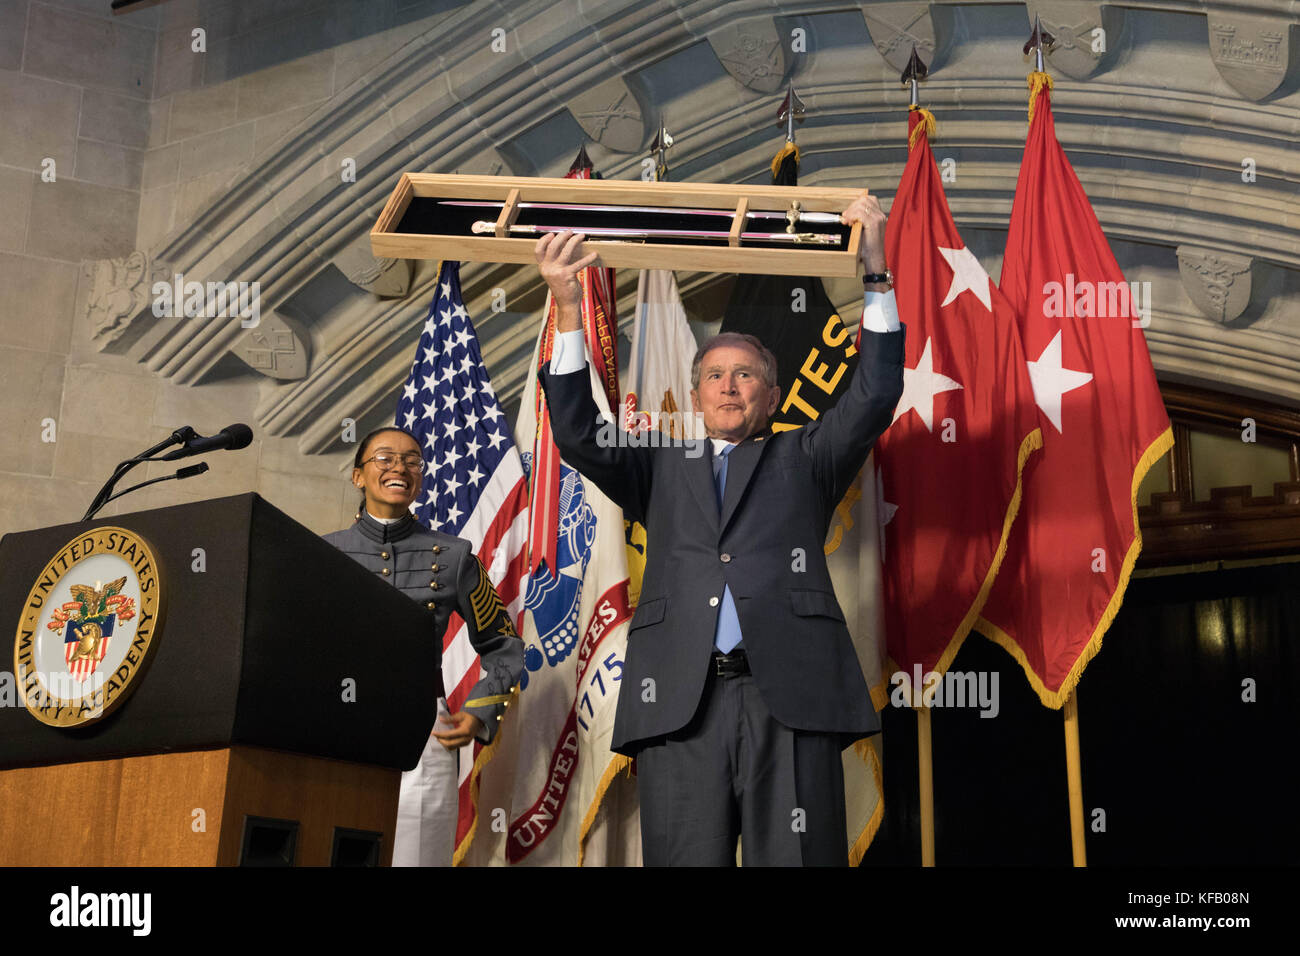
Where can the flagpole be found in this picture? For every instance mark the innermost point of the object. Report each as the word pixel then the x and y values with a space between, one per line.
pixel 1070 713
pixel 912 73
pixel 1074 778
pixel 926 769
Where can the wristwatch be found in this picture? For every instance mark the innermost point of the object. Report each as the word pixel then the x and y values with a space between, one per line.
pixel 871 278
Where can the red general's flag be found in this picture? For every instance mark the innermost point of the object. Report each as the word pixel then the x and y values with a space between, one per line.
pixel 1104 425
pixel 949 467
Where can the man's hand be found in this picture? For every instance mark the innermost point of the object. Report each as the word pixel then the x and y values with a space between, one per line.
pixel 559 259
pixel 465 727
pixel 866 210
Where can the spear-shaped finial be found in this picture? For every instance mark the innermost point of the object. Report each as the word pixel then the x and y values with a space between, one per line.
pixel 913 73
pixel 582 161
pixel 791 112
pixel 659 148
pixel 1037 40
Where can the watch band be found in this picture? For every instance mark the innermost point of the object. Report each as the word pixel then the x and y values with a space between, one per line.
pixel 874 277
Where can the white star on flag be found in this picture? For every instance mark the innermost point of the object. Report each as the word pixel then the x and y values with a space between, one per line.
pixel 967 273
pixel 920 386
pixel 884 511
pixel 1050 380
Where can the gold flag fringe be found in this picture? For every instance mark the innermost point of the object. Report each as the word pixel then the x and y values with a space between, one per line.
pixel 486 754
pixel 1036 82
pixel 620 764
pixel 1055 699
pixel 927 124
pixel 866 749
pixel 880 693
pixel 781 154
pixel 1032 442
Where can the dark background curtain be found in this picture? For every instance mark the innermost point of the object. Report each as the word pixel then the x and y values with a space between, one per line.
pixel 1185 770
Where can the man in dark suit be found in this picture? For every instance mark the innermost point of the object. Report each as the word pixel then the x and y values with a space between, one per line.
pixel 741 685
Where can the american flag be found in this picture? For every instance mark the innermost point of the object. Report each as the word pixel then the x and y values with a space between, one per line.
pixel 474 484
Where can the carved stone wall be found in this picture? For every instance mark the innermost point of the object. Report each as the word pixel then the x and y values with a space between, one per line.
pixel 265 157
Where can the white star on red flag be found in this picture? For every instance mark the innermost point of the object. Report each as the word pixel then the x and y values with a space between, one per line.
pixel 1051 380
pixel 967 274
pixel 920 386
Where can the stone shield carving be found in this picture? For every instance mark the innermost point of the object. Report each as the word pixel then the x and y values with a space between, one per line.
pixel 752 52
pixel 896 27
pixel 1251 53
pixel 1218 282
pixel 1084 33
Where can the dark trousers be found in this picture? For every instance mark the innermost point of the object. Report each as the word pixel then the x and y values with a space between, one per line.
pixel 733 771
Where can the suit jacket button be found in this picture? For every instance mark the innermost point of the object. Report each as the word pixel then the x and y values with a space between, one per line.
pixel 384 571
pixel 713 602
pixel 726 558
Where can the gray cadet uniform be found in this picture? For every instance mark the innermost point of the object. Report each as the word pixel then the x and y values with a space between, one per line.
pixel 441 572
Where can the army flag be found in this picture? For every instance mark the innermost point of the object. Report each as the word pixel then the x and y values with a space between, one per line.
pixel 548 783
pixel 1070 553
pixel 949 467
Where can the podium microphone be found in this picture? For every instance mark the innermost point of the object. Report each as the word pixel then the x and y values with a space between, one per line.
pixel 232 437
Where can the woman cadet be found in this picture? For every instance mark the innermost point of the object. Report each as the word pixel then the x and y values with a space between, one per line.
pixel 441 572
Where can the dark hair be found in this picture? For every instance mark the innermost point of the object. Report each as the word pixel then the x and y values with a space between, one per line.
pixel 360 456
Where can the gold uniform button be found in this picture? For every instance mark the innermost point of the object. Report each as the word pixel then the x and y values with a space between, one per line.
pixel 437 549
pixel 431 605
pixel 384 555
pixel 435 585
pixel 384 572
pixel 437 567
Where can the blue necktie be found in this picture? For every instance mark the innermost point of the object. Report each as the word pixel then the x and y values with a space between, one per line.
pixel 727 634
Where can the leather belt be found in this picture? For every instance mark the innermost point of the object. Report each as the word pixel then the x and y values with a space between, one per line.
pixel 735 664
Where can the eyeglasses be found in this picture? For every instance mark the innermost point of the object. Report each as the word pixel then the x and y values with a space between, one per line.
pixel 411 462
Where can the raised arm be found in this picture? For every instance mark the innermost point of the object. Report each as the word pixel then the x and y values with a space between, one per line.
pixel 586 441
pixel 840 442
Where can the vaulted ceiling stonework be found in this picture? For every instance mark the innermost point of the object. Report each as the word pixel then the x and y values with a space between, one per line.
pixel 1181 118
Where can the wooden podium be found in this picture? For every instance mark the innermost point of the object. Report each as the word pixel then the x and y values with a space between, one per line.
pixel 285 691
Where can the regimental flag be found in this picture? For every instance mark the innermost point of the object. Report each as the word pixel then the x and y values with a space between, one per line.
pixel 554 770
pixel 597 308
pixel 1104 425
pixel 816 358
pixel 474 488
pixel 949 467
pixel 557 769
pixel 658 398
